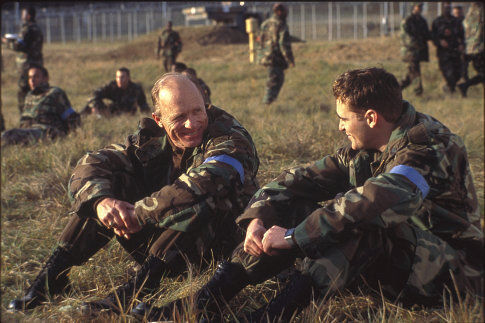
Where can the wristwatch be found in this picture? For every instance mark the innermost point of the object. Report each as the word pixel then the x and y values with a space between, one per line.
pixel 289 237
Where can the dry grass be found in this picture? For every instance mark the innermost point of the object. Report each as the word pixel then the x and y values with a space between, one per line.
pixel 300 127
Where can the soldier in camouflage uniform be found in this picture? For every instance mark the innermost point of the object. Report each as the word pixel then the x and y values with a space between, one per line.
pixel 47 112
pixel 29 46
pixel 457 12
pixel 170 194
pixel 449 38
pixel 275 52
pixel 124 94
pixel 414 46
pixel 474 45
pixel 171 45
pixel 397 206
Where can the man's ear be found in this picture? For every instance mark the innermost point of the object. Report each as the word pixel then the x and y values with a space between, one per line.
pixel 157 119
pixel 372 117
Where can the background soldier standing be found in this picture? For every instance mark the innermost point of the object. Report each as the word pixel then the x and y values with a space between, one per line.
pixel 47 112
pixel 457 12
pixel 124 94
pixel 29 46
pixel 474 45
pixel 448 37
pixel 275 52
pixel 414 40
pixel 171 44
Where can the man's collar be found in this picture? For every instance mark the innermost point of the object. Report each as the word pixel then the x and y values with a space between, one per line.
pixel 41 88
pixel 405 122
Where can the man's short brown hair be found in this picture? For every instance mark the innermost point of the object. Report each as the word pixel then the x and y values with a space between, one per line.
pixel 370 88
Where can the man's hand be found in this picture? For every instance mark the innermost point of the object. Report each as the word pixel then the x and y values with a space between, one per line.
pixel 292 64
pixel 274 240
pixel 119 216
pixel 444 43
pixel 254 234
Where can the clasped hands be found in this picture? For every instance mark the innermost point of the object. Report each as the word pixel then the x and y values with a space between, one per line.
pixel 119 216
pixel 259 240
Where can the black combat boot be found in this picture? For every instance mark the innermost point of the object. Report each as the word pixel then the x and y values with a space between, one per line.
pixel 296 295
pixel 229 278
pixel 52 279
pixel 145 281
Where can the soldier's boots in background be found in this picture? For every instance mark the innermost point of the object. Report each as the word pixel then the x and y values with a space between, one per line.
pixel 145 281
pixel 51 280
pixel 296 295
pixel 228 279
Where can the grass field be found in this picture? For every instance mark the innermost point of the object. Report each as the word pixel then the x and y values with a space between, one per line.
pixel 300 127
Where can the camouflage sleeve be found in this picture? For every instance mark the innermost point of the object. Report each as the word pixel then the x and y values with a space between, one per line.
pixel 95 176
pixel 319 182
pixel 383 201
pixel 142 100
pixel 201 192
pixel 104 92
pixel 285 45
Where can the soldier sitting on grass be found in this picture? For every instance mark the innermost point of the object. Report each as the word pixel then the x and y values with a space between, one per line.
pixel 399 212
pixel 47 112
pixel 125 96
pixel 169 195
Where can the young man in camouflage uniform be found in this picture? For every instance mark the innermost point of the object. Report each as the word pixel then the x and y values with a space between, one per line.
pixel 449 38
pixel 170 194
pixel 171 45
pixel 124 94
pixel 474 45
pixel 206 91
pixel 275 52
pixel 414 46
pixel 47 112
pixel 399 209
pixel 29 46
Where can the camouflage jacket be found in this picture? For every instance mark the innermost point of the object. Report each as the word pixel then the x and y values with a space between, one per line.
pixel 474 29
pixel 423 177
pixel 48 108
pixel 125 100
pixel 414 39
pixel 449 29
pixel 29 45
pixel 218 177
pixel 274 39
pixel 169 42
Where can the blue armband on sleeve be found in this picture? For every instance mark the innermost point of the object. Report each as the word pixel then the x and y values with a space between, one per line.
pixel 67 113
pixel 230 161
pixel 414 176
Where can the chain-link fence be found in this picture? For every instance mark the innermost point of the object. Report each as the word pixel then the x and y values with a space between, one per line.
pixel 111 21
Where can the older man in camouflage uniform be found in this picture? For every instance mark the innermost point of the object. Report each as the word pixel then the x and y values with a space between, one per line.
pixel 398 208
pixel 170 44
pixel 124 94
pixel 170 194
pixel 29 46
pixel 414 46
pixel 474 45
pixel 47 112
pixel 275 52
pixel 449 38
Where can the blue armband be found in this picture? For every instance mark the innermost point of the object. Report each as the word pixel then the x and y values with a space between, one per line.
pixel 230 161
pixel 414 176
pixel 67 113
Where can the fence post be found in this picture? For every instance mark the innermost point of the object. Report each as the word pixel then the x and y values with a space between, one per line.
pixel 95 31
pixel 330 22
pixel 147 23
pixel 48 28
pixel 438 10
pixel 135 24
pixel 290 20
pixel 314 23
pixel 119 24
pixel 302 21
pixel 103 25
pixel 338 21
pixel 130 27
pixel 364 18
pixel 391 15
pixel 63 31
pixel 355 22
pixel 111 27
pixel 88 24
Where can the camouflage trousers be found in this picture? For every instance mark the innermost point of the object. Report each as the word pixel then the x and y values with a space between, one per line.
pixel 451 67
pixel 479 65
pixel 409 264
pixel 24 136
pixel 168 61
pixel 276 78
pixel 413 75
